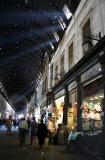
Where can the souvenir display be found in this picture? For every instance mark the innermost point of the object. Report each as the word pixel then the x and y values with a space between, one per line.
pixel 91 115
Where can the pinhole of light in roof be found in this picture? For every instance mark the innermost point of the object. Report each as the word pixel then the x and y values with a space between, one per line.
pixel 28 22
pixel 56 36
pixel 14 57
pixel 55 17
pixel 52 46
pixel 18 5
pixel 15 25
pixel 21 15
pixel 67 12
pixel 62 23
pixel 26 1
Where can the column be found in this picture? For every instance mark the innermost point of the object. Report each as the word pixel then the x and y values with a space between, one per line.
pixel 66 104
pixel 102 62
pixel 79 103
pixel 47 101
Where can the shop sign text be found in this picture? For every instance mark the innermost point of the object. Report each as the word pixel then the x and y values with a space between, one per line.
pixel 91 72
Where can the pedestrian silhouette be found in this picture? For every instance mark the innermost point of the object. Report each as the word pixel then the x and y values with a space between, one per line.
pixel 33 130
pixel 41 133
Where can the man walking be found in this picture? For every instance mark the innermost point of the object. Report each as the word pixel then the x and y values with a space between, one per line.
pixel 33 129
pixel 23 128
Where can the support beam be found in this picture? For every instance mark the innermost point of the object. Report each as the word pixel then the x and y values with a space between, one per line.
pixel 66 104
pixel 79 103
pixel 102 62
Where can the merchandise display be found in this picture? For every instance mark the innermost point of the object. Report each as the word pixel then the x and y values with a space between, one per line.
pixel 91 113
pixel 72 116
pixel 57 113
pixel 72 110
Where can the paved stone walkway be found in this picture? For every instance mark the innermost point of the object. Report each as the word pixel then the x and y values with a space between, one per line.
pixel 10 150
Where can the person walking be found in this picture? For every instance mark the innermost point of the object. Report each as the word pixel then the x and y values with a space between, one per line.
pixel 28 122
pixel 22 128
pixel 41 133
pixel 50 131
pixel 9 125
pixel 33 129
pixel 1 122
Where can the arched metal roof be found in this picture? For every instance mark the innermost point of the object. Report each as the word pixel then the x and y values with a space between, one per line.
pixel 27 30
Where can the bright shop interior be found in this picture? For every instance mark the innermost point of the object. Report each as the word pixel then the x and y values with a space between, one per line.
pixel 92 112
pixel 57 113
pixel 72 111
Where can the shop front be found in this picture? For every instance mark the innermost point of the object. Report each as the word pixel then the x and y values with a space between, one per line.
pixel 88 97
pixel 93 95
pixel 91 115
pixel 72 108
pixel 58 108
pixel 91 108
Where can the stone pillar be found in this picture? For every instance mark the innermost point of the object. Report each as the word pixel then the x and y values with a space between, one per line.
pixel 47 101
pixel 102 62
pixel 66 104
pixel 79 103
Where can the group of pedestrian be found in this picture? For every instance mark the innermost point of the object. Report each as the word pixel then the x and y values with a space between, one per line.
pixel 33 130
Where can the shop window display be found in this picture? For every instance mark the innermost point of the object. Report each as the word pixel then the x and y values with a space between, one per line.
pixel 91 107
pixel 91 113
pixel 72 111
pixel 72 116
pixel 56 112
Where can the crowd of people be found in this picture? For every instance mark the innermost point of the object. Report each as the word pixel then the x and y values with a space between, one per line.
pixel 26 127
pixel 32 129
pixel 36 131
